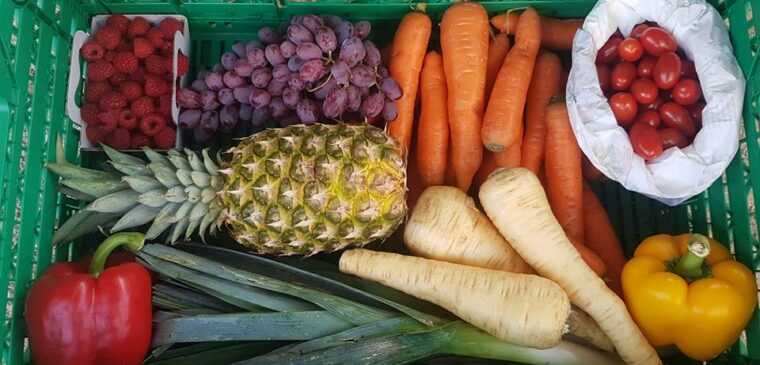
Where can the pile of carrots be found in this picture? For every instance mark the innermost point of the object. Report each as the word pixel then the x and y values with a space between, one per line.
pixel 484 102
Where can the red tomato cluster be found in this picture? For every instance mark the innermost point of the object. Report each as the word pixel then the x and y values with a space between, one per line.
pixel 652 89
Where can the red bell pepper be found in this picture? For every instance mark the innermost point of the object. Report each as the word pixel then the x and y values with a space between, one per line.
pixel 98 318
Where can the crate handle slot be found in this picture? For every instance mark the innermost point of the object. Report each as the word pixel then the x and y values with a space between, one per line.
pixel 5 125
pixel 75 77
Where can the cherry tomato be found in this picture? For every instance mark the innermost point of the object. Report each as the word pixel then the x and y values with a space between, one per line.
pixel 676 116
pixel 644 90
pixel 688 71
pixel 686 92
pixel 609 51
pixel 657 41
pixel 667 70
pixel 624 108
pixel 646 67
pixel 649 117
pixel 630 50
pixel 671 137
pixel 645 141
pixel 622 76
pixel 603 71
pixel 638 30
pixel 653 106
pixel 696 113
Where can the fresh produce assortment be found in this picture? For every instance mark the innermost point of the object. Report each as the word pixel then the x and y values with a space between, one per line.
pixel 653 89
pixel 511 255
pixel 129 80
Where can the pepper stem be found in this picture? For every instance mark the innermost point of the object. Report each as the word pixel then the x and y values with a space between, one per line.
pixel 690 264
pixel 133 241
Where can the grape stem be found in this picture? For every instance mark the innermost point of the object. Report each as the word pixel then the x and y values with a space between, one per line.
pixel 329 76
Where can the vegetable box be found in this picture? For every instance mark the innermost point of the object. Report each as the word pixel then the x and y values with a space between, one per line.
pixel 36 38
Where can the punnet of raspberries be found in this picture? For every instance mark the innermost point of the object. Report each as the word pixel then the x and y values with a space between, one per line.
pixel 127 93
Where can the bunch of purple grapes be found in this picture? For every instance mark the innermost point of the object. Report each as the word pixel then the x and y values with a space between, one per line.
pixel 314 68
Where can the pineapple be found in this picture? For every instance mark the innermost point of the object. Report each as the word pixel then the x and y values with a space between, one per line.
pixel 296 190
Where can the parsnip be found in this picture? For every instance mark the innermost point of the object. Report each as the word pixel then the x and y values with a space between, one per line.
pixel 446 225
pixel 516 203
pixel 522 309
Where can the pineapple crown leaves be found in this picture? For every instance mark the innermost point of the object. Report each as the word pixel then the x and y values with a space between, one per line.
pixel 177 189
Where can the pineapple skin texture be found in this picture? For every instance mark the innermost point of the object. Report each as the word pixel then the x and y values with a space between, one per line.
pixel 322 188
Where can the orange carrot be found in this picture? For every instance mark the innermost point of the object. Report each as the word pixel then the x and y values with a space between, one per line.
pixel 433 128
pixel 543 85
pixel 590 258
pixel 503 120
pixel 464 42
pixel 485 170
pixel 590 172
pixel 497 51
pixel 601 238
pixel 451 179
pixel 409 48
pixel 509 158
pixel 563 171
pixel 556 34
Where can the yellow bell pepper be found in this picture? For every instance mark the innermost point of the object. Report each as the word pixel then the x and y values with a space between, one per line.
pixel 687 290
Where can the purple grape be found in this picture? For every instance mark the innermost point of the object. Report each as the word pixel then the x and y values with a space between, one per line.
pixel 335 102
pixel 201 135
pixel 245 112
pixel 259 98
pixel 243 68
pixel 232 79
pixel 343 31
pixel 228 60
pixel 312 22
pixel 210 121
pixel 340 72
pixel 199 85
pixel 382 71
pixel 289 120
pixel 390 112
pixel 298 19
pixel 256 58
pixel 352 51
pixel 326 39
pixel 273 55
pixel 364 92
pixel 214 81
pixel 189 118
pixel 277 108
pixel 353 98
pixel 362 76
pixel 209 100
pixel 218 68
pixel 312 70
pixel 308 51
pixel 228 118
pixel 275 87
pixel 373 105
pixel 260 116
pixel 287 49
pixel 243 93
pixel 362 29
pixel 298 33
pixel 261 77
pixel 226 96
pixel 251 45
pixel 295 63
pixel 290 97
pixel 332 21
pixel 308 111
pixel 189 99
pixel 239 49
pixel 202 74
pixel 322 92
pixel 281 73
pixel 295 82
pixel 267 35
pixel 372 54
pixel 390 88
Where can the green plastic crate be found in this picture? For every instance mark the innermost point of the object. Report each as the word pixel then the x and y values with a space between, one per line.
pixel 35 42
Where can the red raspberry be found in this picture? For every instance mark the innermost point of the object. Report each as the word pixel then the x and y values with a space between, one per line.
pixel 142 106
pixel 155 37
pixel 151 124
pixel 139 75
pixel 94 89
pixel 165 138
pixel 140 140
pixel 112 100
pixel 167 50
pixel 118 21
pixel 99 71
pixel 155 86
pixel 109 120
pixel 125 62
pixel 117 78
pixel 138 27
pixel 131 90
pixel 155 64
pixel 94 134
pixel 124 46
pixel 169 26
pixel 127 120
pixel 182 64
pixel 89 113
pixel 109 37
pixel 92 51
pixel 119 139
pixel 109 56
pixel 142 48
pixel 165 107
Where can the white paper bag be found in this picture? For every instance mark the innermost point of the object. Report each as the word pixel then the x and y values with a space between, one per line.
pixel 677 174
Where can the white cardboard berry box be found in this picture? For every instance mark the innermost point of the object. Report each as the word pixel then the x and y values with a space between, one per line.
pixel 181 43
